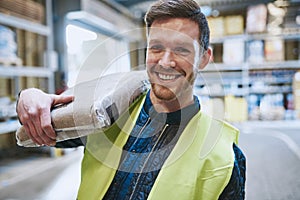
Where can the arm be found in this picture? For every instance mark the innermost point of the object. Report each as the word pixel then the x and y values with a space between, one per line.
pixel 76 142
pixel 94 108
pixel 235 190
pixel 33 110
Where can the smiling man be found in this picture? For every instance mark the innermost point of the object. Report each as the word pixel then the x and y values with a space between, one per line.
pixel 167 148
pixel 173 59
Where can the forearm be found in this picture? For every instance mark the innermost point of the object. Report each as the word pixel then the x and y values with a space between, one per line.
pixel 72 143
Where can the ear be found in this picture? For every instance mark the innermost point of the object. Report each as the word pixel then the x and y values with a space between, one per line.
pixel 205 58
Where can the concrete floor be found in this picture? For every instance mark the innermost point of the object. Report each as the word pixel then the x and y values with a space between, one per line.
pixel 42 178
pixel 273 163
pixel 273 160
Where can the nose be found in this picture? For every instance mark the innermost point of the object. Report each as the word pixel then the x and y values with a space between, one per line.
pixel 167 59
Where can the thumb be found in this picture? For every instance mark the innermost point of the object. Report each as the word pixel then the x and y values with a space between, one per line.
pixel 62 99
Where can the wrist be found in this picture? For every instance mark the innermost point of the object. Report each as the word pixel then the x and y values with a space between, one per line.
pixel 17 103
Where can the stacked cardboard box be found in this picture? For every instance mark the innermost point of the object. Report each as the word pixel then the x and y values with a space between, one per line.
pixel 228 25
pixel 233 51
pixel 216 25
pixel 233 109
pixel 234 24
pixel 213 107
pixel 274 49
pixel 236 109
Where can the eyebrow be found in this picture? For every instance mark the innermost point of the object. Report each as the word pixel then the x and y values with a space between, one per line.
pixel 182 43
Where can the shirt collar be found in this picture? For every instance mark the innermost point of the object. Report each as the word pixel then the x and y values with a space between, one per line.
pixel 178 117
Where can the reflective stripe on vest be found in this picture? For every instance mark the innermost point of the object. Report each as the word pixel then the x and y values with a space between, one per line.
pixel 199 167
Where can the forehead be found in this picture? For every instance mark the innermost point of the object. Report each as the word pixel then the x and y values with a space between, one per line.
pixel 174 28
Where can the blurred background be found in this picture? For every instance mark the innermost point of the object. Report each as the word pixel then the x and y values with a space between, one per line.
pixel 252 81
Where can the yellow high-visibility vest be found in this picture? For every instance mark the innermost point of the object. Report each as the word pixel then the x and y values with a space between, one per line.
pixel 199 167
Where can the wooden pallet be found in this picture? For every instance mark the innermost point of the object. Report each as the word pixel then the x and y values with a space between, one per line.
pixel 11 61
pixel 27 9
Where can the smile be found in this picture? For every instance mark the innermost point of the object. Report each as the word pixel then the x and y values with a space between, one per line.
pixel 167 77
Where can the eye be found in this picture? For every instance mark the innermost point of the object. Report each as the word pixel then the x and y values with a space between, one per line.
pixel 157 48
pixel 181 51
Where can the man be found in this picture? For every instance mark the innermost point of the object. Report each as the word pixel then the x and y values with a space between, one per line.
pixel 167 148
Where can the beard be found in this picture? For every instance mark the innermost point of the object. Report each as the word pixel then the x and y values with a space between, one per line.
pixel 169 93
pixel 179 89
pixel 162 92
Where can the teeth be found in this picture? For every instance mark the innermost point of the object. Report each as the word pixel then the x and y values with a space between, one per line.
pixel 166 77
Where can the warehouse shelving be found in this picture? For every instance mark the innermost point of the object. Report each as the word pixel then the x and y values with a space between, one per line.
pixel 25 24
pixel 247 79
pixel 45 30
pixel 239 72
pixel 16 71
pixel 6 71
pixel 9 126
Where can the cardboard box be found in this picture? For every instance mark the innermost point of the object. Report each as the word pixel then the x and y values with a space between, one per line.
pixel 216 25
pixel 274 49
pixel 234 25
pixel 236 109
pixel 233 51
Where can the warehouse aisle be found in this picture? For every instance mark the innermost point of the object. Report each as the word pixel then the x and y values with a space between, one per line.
pixel 42 178
pixel 273 161
pixel 66 185
pixel 272 150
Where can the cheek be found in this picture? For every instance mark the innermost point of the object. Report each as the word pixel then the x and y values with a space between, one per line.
pixel 151 58
pixel 187 61
pixel 187 65
pixel 151 62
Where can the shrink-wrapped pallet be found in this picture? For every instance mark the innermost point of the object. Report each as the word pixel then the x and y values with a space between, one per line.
pixel 97 104
pixel 256 21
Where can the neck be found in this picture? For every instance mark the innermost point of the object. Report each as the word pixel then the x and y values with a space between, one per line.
pixel 167 106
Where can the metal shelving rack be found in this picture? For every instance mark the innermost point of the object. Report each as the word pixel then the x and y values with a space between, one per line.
pixel 253 80
pixel 15 72
pixel 223 73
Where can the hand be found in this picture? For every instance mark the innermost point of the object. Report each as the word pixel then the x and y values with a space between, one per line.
pixel 33 109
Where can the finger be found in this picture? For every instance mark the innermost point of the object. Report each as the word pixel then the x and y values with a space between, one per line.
pixel 44 128
pixel 34 121
pixel 46 140
pixel 31 132
pixel 34 125
pixel 47 127
pixel 49 135
pixel 62 99
pixel 45 123
pixel 41 135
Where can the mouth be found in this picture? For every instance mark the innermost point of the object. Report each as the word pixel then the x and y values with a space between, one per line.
pixel 167 77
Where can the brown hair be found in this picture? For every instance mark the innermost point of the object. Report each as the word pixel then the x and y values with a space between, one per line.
pixel 165 9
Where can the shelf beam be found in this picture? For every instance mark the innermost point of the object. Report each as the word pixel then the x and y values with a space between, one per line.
pixel 24 24
pixel 276 65
pixel 220 67
pixel 9 126
pixel 25 71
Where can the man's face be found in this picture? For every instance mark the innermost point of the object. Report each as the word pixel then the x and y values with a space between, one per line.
pixel 173 57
